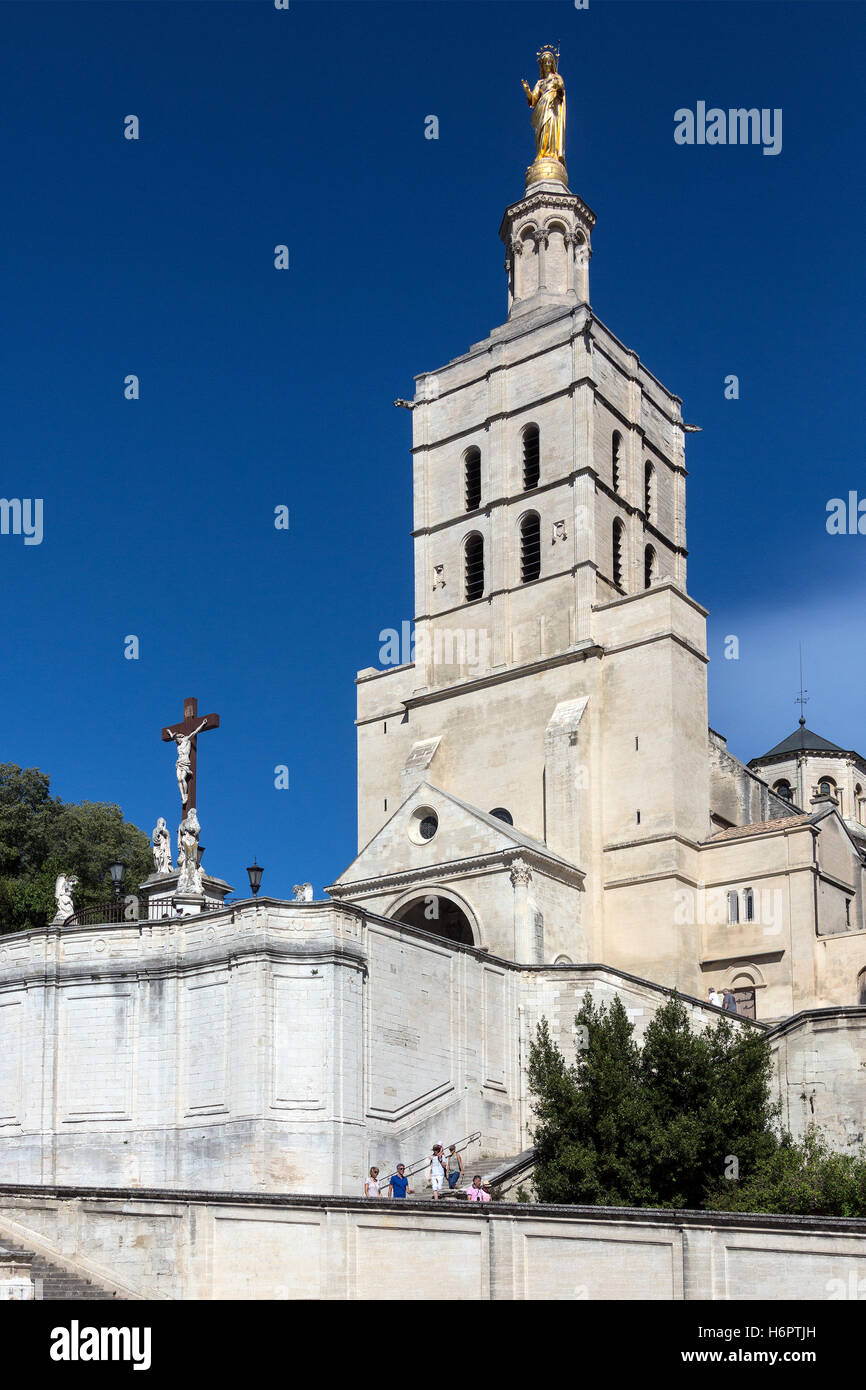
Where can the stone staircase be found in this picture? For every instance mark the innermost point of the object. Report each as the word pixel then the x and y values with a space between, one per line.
pixel 502 1174
pixel 51 1282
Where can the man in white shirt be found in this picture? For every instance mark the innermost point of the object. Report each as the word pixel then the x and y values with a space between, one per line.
pixel 714 997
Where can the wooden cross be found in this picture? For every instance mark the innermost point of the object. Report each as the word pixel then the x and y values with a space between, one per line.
pixel 193 725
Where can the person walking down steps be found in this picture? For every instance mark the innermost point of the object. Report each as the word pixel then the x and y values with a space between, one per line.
pixel 454 1165
pixel 436 1171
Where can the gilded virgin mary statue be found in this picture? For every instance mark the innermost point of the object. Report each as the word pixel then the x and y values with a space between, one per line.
pixel 547 100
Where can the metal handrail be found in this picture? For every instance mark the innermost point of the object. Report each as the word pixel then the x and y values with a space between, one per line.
pixel 417 1164
pixel 109 912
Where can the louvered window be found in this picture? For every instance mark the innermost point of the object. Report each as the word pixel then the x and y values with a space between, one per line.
pixel 474 567
pixel 530 548
pixel 472 479
pixel 617 540
pixel 616 460
pixel 649 492
pixel 531 457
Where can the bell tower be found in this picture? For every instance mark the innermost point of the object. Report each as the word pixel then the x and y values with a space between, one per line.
pixel 559 664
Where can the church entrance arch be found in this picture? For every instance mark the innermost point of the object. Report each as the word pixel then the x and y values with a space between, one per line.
pixel 437 912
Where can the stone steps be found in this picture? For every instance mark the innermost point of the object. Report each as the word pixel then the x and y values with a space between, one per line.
pixel 54 1284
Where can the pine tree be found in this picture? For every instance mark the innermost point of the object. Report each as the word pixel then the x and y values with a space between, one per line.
pixel 651 1126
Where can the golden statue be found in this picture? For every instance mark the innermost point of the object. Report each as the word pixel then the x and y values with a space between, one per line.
pixel 547 99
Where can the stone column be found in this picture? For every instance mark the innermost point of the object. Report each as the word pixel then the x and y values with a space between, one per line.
pixel 521 877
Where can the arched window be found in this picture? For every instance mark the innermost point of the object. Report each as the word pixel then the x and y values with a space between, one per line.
pixel 473 566
pixel 501 814
pixel 472 479
pixel 861 989
pixel 783 789
pixel 616 460
pixel 650 567
pixel 531 457
pixel 649 492
pixel 827 787
pixel 748 905
pixel 447 919
pixel 530 548
pixel 618 542
pixel 733 906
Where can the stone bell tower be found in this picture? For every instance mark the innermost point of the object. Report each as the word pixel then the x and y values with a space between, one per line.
pixel 547 248
pixel 547 234
pixel 559 667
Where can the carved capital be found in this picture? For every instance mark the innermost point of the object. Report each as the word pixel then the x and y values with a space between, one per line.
pixel 521 874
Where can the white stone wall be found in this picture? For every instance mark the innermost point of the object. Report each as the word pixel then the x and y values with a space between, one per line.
pixel 281 1047
pixel 218 1248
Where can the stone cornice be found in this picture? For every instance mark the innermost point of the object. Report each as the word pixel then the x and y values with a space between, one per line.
pixel 582 653
pixel 541 199
pixel 497 861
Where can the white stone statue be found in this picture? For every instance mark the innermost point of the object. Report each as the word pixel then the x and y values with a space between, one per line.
pixel 184 760
pixel 63 887
pixel 161 839
pixel 191 873
pixel 303 892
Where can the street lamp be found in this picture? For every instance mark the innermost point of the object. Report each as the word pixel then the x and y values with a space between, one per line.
pixel 116 871
pixel 255 872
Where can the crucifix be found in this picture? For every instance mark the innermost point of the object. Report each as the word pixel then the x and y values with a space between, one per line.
pixel 185 735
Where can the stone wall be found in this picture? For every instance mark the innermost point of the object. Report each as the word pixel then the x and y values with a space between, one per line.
pixel 280 1047
pixel 213 1245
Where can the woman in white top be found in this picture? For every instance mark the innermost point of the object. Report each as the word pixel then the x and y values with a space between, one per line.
pixel 436 1171
pixel 371 1186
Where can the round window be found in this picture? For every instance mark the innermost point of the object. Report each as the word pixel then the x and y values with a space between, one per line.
pixel 423 824
pixel 501 814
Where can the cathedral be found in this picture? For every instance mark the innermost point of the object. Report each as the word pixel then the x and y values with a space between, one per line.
pixel 542 780
pixel 543 811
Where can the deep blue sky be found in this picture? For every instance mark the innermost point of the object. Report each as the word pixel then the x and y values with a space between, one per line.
pixel 259 388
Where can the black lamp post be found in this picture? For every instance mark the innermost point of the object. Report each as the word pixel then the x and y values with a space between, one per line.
pixel 255 872
pixel 116 871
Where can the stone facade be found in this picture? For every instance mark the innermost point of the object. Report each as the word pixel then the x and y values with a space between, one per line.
pixel 221 1246
pixel 538 791
pixel 286 1047
pixel 560 678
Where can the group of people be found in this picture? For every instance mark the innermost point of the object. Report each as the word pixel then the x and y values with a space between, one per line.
pixel 722 999
pixel 442 1168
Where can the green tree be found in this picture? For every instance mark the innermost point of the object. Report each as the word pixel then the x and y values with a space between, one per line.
pixel 42 836
pixel 653 1126
pixel 593 1128
pixel 805 1178
pixel 710 1095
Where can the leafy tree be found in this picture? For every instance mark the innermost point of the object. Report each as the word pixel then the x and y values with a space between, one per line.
pixel 710 1094
pixel 805 1178
pixel 651 1126
pixel 42 836
pixel 593 1130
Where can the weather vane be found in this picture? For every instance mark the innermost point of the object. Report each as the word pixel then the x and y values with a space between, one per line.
pixel 803 698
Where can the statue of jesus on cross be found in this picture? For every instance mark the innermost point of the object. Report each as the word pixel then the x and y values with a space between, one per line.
pixel 185 735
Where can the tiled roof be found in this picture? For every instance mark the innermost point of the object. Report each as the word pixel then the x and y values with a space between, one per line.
pixel 761 827
pixel 802 740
